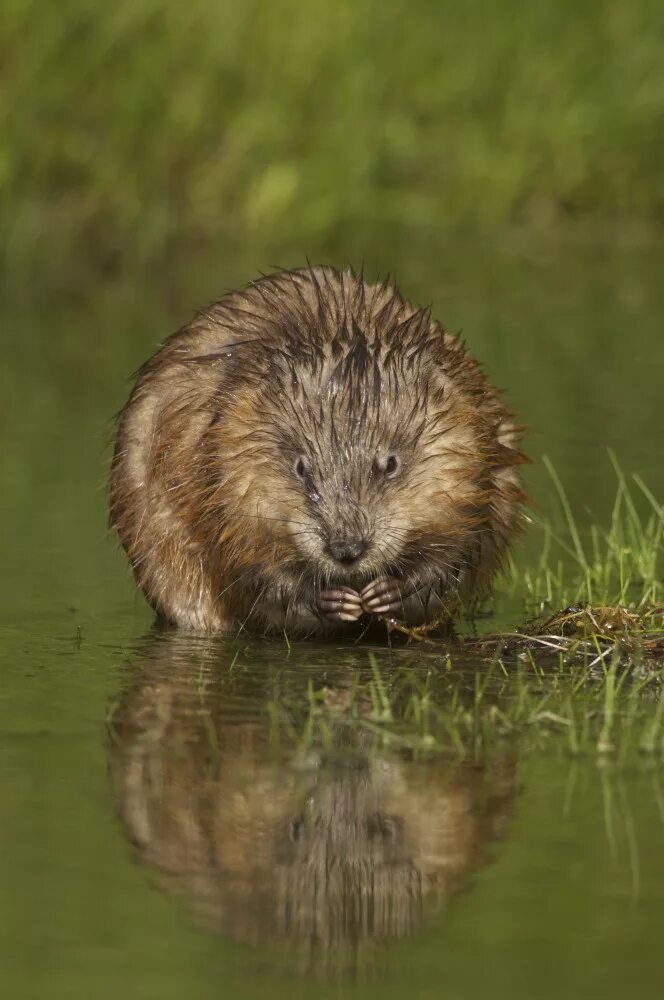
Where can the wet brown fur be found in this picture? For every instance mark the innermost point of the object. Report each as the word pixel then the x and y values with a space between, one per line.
pixel 218 529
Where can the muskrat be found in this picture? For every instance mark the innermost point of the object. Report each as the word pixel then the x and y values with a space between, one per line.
pixel 312 451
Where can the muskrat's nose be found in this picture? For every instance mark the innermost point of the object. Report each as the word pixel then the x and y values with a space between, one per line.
pixel 346 549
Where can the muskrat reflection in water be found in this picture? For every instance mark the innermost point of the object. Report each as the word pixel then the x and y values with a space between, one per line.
pixel 313 453
pixel 329 855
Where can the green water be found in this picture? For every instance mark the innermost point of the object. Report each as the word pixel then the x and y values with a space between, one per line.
pixel 171 825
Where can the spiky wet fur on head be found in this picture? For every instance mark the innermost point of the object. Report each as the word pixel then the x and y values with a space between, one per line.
pixel 261 432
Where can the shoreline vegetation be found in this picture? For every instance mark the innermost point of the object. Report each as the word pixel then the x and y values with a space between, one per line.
pixel 593 595
pixel 146 131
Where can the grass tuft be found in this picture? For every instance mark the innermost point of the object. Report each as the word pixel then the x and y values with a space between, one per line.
pixel 620 564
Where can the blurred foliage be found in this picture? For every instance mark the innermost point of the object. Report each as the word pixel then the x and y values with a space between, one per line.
pixel 134 128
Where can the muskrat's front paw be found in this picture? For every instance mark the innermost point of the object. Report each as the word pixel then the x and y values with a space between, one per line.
pixel 382 597
pixel 340 604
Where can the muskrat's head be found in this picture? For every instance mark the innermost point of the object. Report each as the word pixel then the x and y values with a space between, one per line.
pixel 370 443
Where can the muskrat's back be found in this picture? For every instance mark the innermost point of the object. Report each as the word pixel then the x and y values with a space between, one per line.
pixel 313 451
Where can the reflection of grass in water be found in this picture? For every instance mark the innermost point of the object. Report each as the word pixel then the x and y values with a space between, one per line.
pixel 420 711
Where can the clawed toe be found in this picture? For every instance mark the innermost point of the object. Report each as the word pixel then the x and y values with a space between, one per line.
pixel 340 604
pixel 382 596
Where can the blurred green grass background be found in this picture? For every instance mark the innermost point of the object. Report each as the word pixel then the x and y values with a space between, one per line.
pixel 133 130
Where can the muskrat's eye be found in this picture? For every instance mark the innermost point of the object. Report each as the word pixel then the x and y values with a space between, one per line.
pixel 302 470
pixel 387 465
pixel 301 467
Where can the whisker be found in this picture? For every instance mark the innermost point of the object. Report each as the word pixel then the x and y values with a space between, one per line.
pixel 261 594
